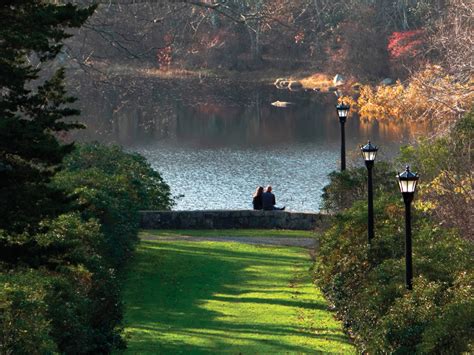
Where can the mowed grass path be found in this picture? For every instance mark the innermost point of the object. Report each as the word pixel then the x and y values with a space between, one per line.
pixel 226 297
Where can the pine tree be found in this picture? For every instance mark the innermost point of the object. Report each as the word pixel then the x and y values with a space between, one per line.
pixel 33 108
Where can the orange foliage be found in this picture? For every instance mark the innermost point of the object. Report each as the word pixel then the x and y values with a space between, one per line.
pixel 430 95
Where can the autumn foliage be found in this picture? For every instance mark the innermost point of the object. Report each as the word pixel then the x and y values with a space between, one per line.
pixel 164 55
pixel 405 44
pixel 431 95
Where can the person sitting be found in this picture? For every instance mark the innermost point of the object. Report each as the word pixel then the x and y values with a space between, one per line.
pixel 269 201
pixel 257 198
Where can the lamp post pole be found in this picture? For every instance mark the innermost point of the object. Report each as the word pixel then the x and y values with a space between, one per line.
pixel 407 182
pixel 342 112
pixel 343 143
pixel 369 152
pixel 370 202
pixel 408 198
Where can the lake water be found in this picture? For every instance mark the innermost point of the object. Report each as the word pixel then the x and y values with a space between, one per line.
pixel 214 143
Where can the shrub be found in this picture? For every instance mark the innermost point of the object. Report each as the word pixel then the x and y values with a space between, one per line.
pixel 24 325
pixel 348 186
pixel 431 95
pixel 83 299
pixel 447 166
pixel 146 188
pixel 366 284
pixel 61 291
pixel 450 331
pixel 112 186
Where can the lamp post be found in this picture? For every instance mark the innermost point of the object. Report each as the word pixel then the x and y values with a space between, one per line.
pixel 342 112
pixel 407 182
pixel 369 152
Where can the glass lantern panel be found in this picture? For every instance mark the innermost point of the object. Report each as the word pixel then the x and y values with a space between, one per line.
pixel 402 184
pixel 341 113
pixel 369 155
pixel 372 155
pixel 411 184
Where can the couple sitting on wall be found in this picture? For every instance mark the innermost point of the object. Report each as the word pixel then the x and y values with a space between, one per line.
pixel 265 200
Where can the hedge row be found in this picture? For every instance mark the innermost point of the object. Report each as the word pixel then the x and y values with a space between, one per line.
pixel 64 296
pixel 366 284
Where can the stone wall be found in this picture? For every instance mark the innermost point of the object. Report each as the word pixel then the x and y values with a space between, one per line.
pixel 230 219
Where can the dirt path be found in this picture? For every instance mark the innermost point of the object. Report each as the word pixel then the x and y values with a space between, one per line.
pixel 281 241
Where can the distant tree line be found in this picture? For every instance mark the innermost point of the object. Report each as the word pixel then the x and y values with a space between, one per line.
pixel 344 36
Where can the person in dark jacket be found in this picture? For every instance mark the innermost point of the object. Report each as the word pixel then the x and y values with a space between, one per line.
pixel 257 198
pixel 269 201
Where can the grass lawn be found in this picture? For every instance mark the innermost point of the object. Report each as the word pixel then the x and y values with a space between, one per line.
pixel 224 297
pixel 284 233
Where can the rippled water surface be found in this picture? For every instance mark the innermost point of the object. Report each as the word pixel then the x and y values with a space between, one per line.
pixel 214 144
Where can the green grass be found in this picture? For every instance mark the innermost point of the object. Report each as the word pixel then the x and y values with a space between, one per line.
pixel 221 297
pixel 229 233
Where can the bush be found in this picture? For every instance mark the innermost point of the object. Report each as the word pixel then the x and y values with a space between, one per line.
pixel 112 186
pixel 348 186
pixel 24 325
pixel 447 166
pixel 428 320
pixel 366 284
pixel 431 95
pixel 61 290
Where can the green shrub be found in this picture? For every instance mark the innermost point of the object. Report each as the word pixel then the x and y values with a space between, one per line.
pixel 62 292
pixel 349 186
pixel 450 331
pixel 367 286
pixel 112 186
pixel 24 324
pixel 146 189
pixel 447 166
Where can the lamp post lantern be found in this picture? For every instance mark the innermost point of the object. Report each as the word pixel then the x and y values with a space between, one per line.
pixel 342 112
pixel 407 182
pixel 369 152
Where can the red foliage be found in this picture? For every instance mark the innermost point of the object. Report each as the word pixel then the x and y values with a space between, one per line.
pixel 405 44
pixel 164 54
pixel 299 37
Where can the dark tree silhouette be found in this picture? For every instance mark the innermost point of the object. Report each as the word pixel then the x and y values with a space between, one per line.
pixel 33 104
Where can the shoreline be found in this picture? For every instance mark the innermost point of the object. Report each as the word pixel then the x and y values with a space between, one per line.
pixel 310 79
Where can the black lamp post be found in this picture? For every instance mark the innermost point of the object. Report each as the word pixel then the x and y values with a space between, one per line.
pixel 342 112
pixel 369 152
pixel 407 182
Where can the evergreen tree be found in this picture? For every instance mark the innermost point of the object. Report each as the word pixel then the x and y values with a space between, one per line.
pixel 33 106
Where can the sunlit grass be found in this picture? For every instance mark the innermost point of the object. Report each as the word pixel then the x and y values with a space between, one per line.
pixel 228 233
pixel 215 297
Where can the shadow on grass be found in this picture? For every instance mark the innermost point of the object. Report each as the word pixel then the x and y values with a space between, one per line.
pixel 310 305
pixel 171 285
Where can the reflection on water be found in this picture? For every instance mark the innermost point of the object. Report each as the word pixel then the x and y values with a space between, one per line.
pixel 215 143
